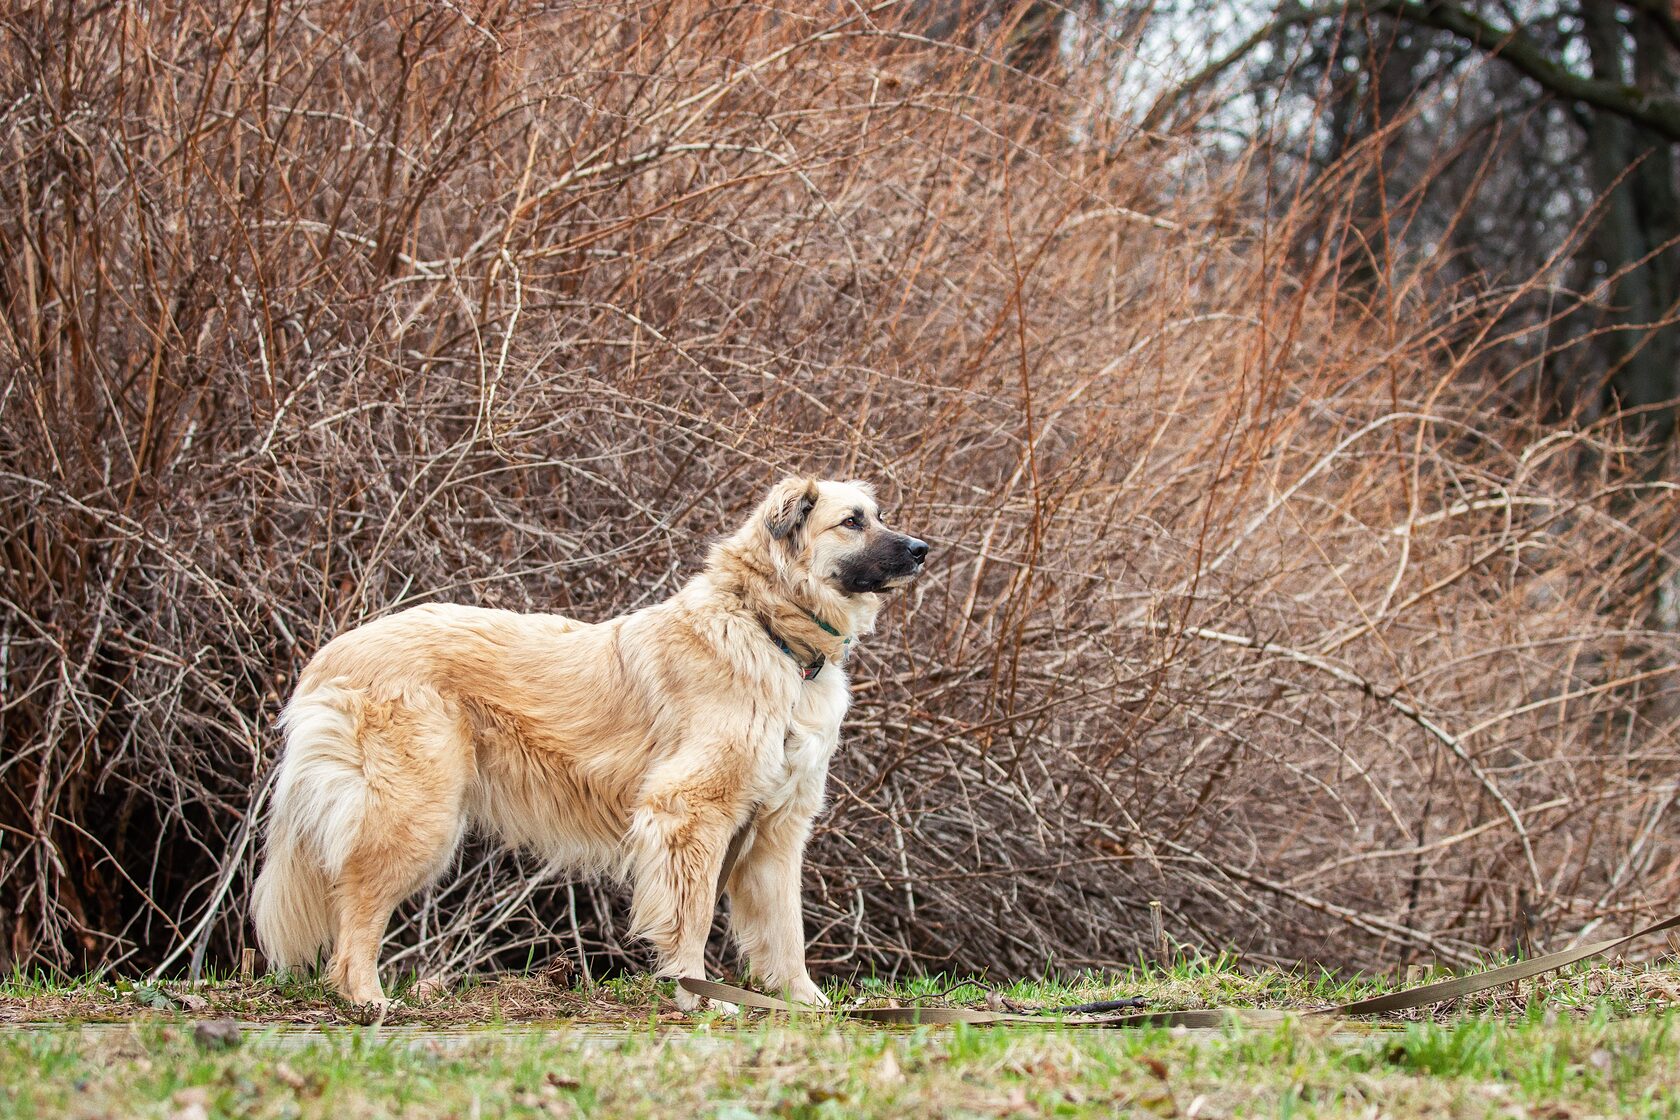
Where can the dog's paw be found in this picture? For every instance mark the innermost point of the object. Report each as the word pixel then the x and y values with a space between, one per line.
pixel 688 1001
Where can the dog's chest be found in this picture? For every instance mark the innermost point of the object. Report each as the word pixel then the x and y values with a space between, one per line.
pixel 797 777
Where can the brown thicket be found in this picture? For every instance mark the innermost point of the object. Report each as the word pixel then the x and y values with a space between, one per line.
pixel 1251 591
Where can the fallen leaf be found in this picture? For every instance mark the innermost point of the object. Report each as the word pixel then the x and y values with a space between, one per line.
pixel 559 972
pixel 887 1068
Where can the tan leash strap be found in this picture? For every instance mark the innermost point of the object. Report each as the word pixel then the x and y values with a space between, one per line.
pixel 732 854
pixel 1443 990
pixel 742 997
pixel 910 1016
pixel 1422 996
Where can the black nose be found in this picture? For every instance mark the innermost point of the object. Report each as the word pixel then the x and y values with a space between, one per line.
pixel 918 549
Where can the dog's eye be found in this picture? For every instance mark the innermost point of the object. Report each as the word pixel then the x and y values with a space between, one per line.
pixel 852 522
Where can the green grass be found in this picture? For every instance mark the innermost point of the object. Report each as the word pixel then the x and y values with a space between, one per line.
pixel 1596 1042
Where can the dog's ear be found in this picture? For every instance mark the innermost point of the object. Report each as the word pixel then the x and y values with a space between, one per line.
pixel 789 503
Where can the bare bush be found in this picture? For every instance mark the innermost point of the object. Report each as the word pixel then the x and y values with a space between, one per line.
pixel 1248 594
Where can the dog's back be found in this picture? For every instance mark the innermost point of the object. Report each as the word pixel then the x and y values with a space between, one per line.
pixel 378 758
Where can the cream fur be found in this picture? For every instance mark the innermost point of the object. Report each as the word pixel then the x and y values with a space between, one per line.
pixel 634 748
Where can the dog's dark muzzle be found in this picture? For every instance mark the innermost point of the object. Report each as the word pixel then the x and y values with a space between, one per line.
pixel 892 562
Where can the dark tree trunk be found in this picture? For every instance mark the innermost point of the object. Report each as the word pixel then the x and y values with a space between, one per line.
pixel 1392 57
pixel 1633 169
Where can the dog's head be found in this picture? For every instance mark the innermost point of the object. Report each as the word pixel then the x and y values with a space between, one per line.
pixel 831 533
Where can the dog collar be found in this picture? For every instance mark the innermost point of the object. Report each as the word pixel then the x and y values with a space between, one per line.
pixel 807 671
pixel 814 618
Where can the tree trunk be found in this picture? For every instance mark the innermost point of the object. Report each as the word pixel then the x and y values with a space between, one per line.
pixel 1639 236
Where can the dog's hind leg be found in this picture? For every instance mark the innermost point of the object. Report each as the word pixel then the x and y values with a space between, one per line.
pixel 415 758
pixel 363 911
pixel 381 871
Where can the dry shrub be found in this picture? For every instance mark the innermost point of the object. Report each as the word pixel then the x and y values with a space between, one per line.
pixel 1247 596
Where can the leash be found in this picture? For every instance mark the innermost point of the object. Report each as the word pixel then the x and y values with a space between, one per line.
pixel 1423 996
pixel 733 853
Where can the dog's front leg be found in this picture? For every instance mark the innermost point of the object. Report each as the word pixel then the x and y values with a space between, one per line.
pixel 765 909
pixel 678 835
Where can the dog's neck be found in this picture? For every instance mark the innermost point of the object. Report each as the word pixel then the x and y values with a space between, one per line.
pixel 807 635
pixel 812 619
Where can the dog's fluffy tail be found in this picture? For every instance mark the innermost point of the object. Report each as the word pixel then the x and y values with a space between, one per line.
pixel 320 801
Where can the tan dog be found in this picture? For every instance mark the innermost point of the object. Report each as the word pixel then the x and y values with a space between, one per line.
pixel 635 748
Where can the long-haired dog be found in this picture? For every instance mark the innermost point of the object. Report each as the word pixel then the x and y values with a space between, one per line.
pixel 639 747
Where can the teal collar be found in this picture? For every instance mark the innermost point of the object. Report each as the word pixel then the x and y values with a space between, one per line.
pixel 808 670
pixel 826 627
